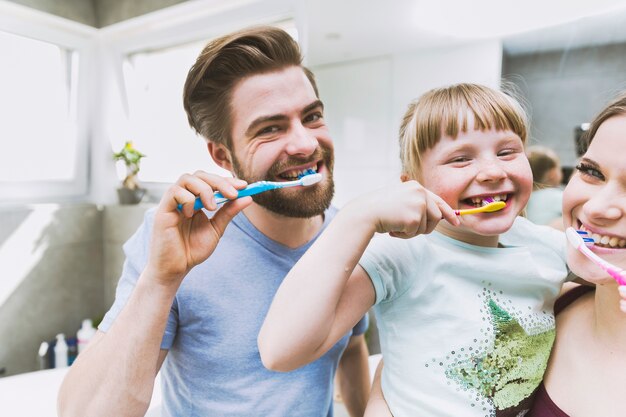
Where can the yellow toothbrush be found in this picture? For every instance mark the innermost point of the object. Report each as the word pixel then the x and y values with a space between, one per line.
pixel 487 208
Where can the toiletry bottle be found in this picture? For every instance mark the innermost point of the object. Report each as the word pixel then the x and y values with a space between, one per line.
pixel 42 356
pixel 60 352
pixel 85 334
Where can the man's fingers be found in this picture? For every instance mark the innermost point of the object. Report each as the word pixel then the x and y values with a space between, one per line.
pixel 225 214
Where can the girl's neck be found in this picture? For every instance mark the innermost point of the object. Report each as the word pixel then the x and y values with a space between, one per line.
pixel 466 236
pixel 609 321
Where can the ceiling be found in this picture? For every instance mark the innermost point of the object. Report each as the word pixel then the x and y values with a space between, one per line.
pixel 353 29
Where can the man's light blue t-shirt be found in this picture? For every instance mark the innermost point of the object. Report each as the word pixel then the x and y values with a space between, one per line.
pixel 213 367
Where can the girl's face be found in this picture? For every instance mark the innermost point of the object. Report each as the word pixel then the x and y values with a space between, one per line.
pixel 475 166
pixel 595 200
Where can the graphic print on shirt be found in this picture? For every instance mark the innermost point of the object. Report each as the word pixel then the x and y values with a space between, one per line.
pixel 502 368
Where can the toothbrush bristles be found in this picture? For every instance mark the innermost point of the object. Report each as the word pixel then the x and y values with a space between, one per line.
pixel 586 238
pixel 305 173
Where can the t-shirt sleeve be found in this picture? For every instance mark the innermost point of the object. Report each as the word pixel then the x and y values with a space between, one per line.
pixel 388 260
pixel 136 251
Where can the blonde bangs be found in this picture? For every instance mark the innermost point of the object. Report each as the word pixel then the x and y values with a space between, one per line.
pixel 447 111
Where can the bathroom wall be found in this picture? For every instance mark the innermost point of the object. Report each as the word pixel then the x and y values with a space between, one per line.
pixel 60 264
pixel 98 13
pixel 565 89
pixel 51 263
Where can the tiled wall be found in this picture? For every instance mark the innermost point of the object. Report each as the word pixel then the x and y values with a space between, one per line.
pixel 565 89
pixel 59 264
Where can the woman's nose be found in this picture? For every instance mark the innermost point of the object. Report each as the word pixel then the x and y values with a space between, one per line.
pixel 605 205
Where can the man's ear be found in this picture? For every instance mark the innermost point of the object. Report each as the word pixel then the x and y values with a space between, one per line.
pixel 221 155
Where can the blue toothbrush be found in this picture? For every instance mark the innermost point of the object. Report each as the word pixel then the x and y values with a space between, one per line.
pixel 309 178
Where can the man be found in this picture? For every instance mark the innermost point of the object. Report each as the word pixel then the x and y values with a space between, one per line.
pixel 199 303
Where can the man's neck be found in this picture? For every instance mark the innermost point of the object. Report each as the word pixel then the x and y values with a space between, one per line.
pixel 292 232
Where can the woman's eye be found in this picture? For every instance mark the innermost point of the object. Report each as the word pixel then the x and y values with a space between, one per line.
pixel 589 171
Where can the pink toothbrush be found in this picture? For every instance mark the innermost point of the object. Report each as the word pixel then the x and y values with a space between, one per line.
pixel 576 239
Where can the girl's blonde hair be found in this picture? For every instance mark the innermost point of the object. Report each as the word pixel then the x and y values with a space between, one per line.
pixel 445 111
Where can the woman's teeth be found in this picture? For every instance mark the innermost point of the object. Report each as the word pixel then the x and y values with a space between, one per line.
pixel 606 241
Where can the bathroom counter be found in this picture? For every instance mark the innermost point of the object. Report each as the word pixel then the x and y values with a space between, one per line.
pixel 34 394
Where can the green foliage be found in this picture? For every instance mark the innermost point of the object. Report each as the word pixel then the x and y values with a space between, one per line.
pixel 131 158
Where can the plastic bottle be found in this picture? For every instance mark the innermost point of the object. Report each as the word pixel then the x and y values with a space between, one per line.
pixel 85 334
pixel 60 352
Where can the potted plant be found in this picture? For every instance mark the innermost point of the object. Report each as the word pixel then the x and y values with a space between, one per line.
pixel 130 192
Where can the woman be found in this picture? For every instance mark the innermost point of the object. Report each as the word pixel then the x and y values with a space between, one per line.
pixel 586 374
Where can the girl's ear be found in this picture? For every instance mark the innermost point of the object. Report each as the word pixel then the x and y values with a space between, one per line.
pixel 404 177
pixel 221 155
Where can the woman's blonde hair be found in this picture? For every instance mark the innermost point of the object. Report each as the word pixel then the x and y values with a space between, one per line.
pixel 445 111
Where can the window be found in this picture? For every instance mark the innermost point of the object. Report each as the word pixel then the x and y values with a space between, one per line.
pixel 38 131
pixel 154 86
pixel 154 83
pixel 43 134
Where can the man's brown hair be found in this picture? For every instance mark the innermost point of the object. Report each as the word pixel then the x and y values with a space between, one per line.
pixel 223 63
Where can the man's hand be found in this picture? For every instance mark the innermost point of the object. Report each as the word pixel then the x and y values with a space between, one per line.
pixel 182 239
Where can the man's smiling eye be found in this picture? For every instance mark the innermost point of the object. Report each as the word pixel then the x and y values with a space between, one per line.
pixel 313 117
pixel 589 171
pixel 268 130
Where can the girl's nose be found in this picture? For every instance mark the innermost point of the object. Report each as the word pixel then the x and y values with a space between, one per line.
pixel 490 172
pixel 301 141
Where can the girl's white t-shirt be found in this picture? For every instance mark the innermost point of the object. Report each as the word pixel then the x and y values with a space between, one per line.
pixel 465 330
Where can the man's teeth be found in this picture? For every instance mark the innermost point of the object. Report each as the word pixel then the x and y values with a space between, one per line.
pixel 607 241
pixel 295 175
pixel 479 202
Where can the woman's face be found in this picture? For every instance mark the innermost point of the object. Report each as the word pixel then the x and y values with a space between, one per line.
pixel 595 200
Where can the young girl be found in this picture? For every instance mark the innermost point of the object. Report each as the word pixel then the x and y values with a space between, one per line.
pixel 585 376
pixel 465 312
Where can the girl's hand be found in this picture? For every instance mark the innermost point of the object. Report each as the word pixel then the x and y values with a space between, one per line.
pixel 182 239
pixel 407 210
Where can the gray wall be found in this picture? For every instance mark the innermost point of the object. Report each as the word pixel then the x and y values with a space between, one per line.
pixel 565 89
pixel 65 261
pixel 98 13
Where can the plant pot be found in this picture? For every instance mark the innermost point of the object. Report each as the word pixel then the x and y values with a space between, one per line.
pixel 128 196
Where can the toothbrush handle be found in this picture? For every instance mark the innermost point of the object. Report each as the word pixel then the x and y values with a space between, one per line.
pixel 618 274
pixel 252 189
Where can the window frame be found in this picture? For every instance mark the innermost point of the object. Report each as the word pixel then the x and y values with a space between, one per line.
pixel 23 21
pixel 183 24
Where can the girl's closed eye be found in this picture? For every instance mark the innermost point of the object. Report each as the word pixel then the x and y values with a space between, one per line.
pixel 589 171
pixel 458 159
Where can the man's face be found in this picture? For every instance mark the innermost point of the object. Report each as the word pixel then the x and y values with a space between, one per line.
pixel 278 131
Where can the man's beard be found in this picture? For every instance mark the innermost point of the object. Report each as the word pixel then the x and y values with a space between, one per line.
pixel 301 202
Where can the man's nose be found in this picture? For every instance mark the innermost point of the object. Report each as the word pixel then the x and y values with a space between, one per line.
pixel 301 141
